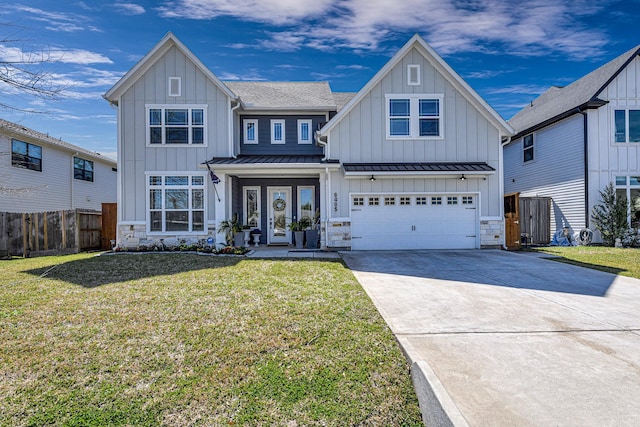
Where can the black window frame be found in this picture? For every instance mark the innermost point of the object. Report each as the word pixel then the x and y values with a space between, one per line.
pixel 528 154
pixel 29 160
pixel 83 173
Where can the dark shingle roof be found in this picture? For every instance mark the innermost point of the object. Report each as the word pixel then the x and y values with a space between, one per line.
pixel 559 100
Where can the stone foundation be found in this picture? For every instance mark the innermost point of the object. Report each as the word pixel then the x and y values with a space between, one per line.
pixel 491 234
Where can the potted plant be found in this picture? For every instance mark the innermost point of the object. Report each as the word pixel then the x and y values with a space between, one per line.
pixel 232 230
pixel 312 232
pixel 298 231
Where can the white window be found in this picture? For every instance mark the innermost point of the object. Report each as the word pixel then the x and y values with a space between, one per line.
pixel 304 132
pixel 176 203
pixel 452 200
pixel 358 201
pixel 172 125
pixel 251 204
pixel 421 200
pixel 175 86
pixel 405 201
pixel 437 200
pixel 629 188
pixel 277 132
pixel 306 203
pixel 627 125
pixel 374 201
pixel 414 116
pixel 413 75
pixel 467 200
pixel 250 131
pixel 527 148
pixel 389 201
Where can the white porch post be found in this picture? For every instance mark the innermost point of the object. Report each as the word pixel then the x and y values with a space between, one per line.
pixel 323 208
pixel 220 205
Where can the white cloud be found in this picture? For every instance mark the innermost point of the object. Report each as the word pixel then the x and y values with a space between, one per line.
pixel 129 9
pixel 450 26
pixel 79 56
pixel 55 21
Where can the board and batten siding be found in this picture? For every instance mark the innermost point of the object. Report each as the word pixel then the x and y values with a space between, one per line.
pixel 468 137
pixel 557 171
pixel 54 188
pixel 152 88
pixel 607 159
pixel 291 146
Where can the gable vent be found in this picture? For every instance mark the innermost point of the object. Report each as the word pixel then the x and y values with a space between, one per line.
pixel 175 86
pixel 413 75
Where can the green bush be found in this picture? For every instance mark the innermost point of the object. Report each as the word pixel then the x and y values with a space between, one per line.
pixel 610 215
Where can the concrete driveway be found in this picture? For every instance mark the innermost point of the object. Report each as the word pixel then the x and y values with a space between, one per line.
pixel 510 339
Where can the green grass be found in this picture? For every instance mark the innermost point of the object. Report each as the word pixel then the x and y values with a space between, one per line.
pixel 176 339
pixel 613 260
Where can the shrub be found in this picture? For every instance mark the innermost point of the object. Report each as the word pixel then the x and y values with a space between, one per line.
pixel 610 215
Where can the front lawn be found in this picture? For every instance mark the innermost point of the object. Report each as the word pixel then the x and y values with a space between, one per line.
pixel 613 260
pixel 177 339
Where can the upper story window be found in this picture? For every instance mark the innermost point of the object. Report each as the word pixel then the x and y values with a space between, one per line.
pixel 414 116
pixel 176 203
pixel 527 148
pixel 25 155
pixel 172 125
pixel 277 132
pixel 413 75
pixel 304 131
pixel 250 131
pixel 82 169
pixel 175 86
pixel 627 125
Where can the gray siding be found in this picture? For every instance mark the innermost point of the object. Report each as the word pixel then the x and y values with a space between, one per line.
pixel 291 146
pixel 557 171
pixel 152 88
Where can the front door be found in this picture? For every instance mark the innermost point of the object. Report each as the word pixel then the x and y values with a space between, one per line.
pixel 279 215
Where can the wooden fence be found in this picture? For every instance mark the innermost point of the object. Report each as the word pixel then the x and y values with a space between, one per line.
pixel 535 219
pixel 49 233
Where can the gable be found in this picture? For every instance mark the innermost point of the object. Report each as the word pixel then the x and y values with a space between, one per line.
pixel 417 50
pixel 168 43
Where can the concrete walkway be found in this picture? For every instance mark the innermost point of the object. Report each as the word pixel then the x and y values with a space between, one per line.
pixel 290 251
pixel 510 339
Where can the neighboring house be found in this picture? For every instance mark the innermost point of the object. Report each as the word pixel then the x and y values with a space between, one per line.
pixel 39 173
pixel 572 141
pixel 413 160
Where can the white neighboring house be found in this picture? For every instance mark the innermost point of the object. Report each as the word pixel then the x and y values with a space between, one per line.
pixel 39 173
pixel 413 160
pixel 572 141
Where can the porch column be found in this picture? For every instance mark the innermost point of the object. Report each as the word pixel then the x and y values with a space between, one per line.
pixel 220 205
pixel 323 209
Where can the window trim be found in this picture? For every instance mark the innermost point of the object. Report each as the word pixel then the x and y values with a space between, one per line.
pixel 308 122
pixel 530 148
pixel 179 91
pixel 245 213
pixel 84 170
pixel 189 126
pixel 414 116
pixel 627 135
pixel 313 200
pixel 245 136
pixel 189 186
pixel 411 82
pixel 273 131
pixel 17 164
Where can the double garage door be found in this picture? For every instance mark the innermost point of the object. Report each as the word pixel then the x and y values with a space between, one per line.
pixel 414 221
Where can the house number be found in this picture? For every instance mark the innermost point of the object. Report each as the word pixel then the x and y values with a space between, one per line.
pixel 335 202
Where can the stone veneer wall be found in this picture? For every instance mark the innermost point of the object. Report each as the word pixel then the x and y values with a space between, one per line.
pixel 491 233
pixel 132 236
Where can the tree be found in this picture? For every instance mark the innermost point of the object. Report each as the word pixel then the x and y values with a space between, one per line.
pixel 610 215
pixel 25 73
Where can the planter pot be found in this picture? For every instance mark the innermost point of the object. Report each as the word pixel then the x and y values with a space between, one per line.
pixel 238 239
pixel 312 239
pixel 256 239
pixel 299 239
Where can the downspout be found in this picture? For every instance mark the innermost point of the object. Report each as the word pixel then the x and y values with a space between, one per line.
pixel 323 144
pixel 586 167
pixel 506 142
pixel 327 196
pixel 231 151
pixel 72 179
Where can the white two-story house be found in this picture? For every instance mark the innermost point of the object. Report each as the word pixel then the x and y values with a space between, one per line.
pixel 39 173
pixel 572 141
pixel 413 160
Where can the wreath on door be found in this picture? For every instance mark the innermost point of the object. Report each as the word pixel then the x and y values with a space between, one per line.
pixel 279 204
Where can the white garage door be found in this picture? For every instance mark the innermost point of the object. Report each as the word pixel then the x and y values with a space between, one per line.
pixel 414 221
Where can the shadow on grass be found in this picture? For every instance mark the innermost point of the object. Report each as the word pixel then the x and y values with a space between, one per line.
pixel 120 268
pixel 604 268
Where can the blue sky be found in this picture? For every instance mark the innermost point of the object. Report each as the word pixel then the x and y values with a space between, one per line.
pixel 508 53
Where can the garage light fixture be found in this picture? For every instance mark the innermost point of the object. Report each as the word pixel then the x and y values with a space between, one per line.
pixel 462 178
pixel 373 178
